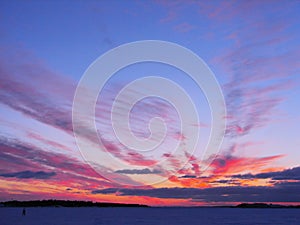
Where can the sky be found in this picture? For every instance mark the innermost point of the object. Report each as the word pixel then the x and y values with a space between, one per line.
pixel 251 47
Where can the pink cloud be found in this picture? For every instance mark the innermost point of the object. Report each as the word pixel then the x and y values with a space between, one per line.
pixel 171 16
pixel 51 143
pixel 183 27
pixel 68 172
pixel 122 152
pixel 50 105
pixel 226 164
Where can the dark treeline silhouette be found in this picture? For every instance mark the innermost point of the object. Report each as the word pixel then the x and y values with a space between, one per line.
pixel 264 205
pixel 64 203
pixel 69 203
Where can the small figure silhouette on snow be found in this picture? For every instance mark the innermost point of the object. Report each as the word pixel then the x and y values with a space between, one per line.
pixel 24 212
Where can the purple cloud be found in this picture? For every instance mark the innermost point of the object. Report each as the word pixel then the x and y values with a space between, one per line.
pixel 138 171
pixel 279 193
pixel 30 175
pixel 19 90
pixel 287 174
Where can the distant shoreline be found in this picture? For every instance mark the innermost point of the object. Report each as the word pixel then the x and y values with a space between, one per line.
pixel 264 205
pixel 71 203
pixel 65 203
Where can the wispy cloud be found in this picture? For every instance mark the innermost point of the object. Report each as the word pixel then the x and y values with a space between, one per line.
pixel 136 171
pixel 228 164
pixel 19 81
pixel 221 166
pixel 16 156
pixel 184 27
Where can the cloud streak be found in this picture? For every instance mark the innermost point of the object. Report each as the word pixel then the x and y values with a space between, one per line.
pixel 16 156
pixel 49 105
pixel 30 175
pixel 279 193
pixel 288 174
pixel 141 171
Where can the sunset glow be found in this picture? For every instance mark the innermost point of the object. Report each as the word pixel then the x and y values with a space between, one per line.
pixel 252 48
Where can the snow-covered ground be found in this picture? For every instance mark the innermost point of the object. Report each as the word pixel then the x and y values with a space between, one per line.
pixel 147 216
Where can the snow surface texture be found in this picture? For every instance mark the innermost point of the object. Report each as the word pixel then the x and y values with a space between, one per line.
pixel 147 216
